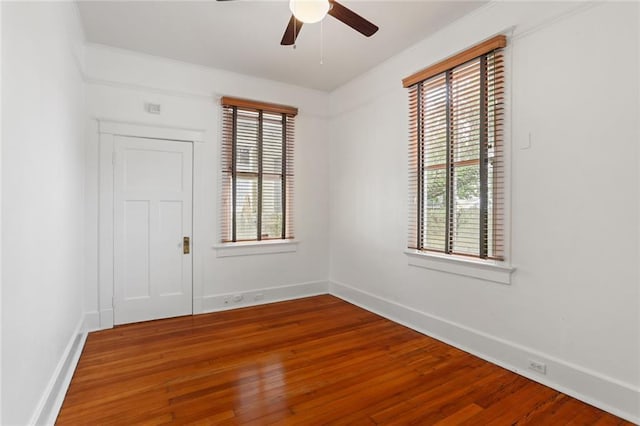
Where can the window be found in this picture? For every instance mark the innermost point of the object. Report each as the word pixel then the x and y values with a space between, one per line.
pixel 456 169
pixel 257 171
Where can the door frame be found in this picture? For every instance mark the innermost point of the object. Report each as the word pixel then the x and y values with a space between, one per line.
pixel 107 131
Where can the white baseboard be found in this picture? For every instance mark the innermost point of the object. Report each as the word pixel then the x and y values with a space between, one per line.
pixel 51 401
pixel 91 321
pixel 105 319
pixel 607 393
pixel 223 302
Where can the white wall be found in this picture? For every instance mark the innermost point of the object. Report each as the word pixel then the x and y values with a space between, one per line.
pixel 121 82
pixel 0 213
pixel 574 298
pixel 1 133
pixel 43 178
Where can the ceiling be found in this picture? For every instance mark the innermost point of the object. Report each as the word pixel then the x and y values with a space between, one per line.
pixel 244 36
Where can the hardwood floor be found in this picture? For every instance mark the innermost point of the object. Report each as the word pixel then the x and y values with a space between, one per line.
pixel 318 360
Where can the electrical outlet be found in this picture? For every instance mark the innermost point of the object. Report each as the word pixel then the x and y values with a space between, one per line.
pixel 153 108
pixel 538 366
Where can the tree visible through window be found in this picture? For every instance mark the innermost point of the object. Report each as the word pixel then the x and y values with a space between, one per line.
pixel 257 170
pixel 455 156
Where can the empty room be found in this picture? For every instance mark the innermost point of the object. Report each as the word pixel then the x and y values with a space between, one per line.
pixel 306 212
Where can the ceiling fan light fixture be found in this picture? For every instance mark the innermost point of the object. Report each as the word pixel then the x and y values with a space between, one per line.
pixel 309 11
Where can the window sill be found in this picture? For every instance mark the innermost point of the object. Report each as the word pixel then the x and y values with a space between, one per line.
pixel 253 248
pixel 487 270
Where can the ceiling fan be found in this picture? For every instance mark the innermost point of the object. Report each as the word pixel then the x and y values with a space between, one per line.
pixel 312 11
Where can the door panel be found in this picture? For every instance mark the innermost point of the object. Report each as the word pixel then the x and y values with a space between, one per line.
pixel 153 169
pixel 152 215
pixel 136 249
pixel 169 253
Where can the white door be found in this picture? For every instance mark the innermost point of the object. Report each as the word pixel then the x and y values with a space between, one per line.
pixel 152 225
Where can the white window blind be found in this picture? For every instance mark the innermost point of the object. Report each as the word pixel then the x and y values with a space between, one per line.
pixel 456 166
pixel 257 171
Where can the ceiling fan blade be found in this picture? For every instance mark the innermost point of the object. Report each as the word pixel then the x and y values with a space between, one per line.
pixel 292 31
pixel 352 19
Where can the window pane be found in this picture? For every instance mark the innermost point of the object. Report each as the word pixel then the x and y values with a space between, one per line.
pixel 465 114
pixel 466 210
pixel 435 122
pixel 226 208
pixel 271 207
pixel 272 143
pixel 495 166
pixel 246 208
pixel 434 158
pixel 465 145
pixel 247 141
pixel 435 209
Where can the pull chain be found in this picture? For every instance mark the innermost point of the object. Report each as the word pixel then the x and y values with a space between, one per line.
pixel 322 42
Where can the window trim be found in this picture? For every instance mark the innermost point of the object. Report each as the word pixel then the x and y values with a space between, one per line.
pixel 252 248
pixel 483 269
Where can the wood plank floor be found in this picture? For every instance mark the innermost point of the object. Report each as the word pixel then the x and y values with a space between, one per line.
pixel 311 361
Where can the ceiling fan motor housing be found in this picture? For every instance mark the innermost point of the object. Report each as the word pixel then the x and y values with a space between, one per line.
pixel 309 11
